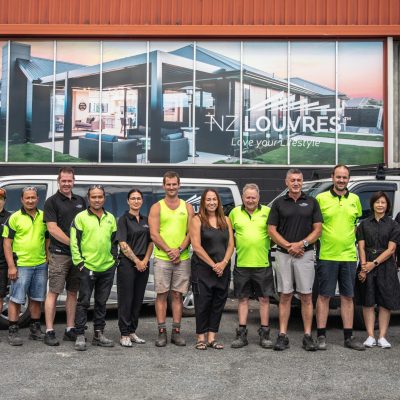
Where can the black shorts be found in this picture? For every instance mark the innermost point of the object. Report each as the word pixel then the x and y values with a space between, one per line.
pixel 3 282
pixel 381 288
pixel 253 282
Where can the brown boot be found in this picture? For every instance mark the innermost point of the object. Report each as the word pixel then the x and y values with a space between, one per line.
pixel 176 337
pixel 162 338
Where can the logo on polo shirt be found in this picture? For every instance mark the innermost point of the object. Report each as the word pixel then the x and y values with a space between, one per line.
pixel 303 204
pixel 145 226
pixel 79 206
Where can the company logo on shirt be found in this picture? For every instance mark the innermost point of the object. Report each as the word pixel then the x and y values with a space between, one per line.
pixel 145 226
pixel 303 205
pixel 79 206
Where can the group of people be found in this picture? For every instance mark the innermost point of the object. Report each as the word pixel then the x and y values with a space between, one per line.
pixel 79 246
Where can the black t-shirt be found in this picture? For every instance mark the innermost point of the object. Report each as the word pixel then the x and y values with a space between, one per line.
pixel 3 218
pixel 62 210
pixel 135 234
pixel 294 219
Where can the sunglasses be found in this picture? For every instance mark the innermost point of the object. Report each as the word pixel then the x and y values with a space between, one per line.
pixel 28 188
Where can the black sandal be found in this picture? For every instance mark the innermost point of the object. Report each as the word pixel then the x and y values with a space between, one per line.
pixel 215 345
pixel 201 345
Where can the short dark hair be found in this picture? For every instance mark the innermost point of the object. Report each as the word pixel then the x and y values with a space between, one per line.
pixel 171 174
pixel 340 166
pixel 376 196
pixel 65 170
pixel 134 190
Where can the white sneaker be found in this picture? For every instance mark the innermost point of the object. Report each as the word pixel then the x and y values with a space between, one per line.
pixel 136 339
pixel 370 342
pixel 125 341
pixel 382 342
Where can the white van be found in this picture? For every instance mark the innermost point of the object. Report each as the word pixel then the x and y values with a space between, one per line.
pixel 117 188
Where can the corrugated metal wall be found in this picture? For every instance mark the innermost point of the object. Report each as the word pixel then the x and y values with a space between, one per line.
pixel 381 16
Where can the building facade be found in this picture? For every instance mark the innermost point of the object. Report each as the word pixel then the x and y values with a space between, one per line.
pixel 200 83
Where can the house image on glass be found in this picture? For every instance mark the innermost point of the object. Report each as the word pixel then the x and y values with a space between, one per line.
pixel 162 104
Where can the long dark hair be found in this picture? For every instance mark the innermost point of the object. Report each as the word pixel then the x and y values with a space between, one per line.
pixel 203 214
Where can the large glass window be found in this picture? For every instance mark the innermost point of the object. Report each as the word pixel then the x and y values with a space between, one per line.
pixel 192 102
pixel 360 71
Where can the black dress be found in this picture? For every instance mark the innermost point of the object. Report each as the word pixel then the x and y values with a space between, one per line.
pixel 210 291
pixel 381 286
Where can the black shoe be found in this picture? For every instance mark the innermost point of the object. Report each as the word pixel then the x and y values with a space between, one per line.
pixel 309 343
pixel 321 342
pixel 265 341
pixel 70 336
pixel 50 339
pixel 241 338
pixel 162 338
pixel 35 331
pixel 13 336
pixel 354 344
pixel 282 342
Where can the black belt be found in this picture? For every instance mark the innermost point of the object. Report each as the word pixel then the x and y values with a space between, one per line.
pixel 376 252
pixel 282 250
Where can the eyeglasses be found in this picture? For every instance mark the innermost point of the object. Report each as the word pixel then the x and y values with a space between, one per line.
pixel 96 187
pixel 28 188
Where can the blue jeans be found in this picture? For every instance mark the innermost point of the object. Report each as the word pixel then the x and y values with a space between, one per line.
pixel 31 282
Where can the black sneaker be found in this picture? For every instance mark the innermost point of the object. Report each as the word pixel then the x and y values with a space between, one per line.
pixel 354 344
pixel 309 343
pixel 50 339
pixel 35 331
pixel 241 338
pixel 70 336
pixel 13 336
pixel 282 342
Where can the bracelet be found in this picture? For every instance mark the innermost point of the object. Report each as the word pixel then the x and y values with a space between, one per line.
pixel 226 261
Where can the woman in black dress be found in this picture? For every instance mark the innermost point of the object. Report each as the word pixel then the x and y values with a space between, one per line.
pixel 133 235
pixel 378 283
pixel 212 241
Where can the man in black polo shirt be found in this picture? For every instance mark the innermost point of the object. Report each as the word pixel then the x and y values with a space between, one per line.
pixel 4 214
pixel 294 224
pixel 59 212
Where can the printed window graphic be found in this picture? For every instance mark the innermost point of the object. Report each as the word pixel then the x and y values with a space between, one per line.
pixel 259 102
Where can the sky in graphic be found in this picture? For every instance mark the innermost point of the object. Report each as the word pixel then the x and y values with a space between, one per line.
pixel 360 64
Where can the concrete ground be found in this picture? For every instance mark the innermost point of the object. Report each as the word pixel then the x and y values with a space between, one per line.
pixel 35 371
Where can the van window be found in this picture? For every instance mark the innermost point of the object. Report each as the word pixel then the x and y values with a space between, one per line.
pixel 116 197
pixel 192 195
pixel 366 190
pixel 14 195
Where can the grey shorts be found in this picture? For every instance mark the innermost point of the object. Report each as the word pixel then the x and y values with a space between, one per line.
pixel 169 276
pixel 62 273
pixel 295 274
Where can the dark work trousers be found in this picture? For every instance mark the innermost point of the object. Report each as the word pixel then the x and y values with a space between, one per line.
pixel 101 283
pixel 131 286
pixel 210 294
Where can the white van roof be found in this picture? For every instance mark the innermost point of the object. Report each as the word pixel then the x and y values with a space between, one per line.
pixel 120 179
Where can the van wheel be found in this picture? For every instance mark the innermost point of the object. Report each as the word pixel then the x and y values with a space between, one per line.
pixel 188 304
pixel 24 316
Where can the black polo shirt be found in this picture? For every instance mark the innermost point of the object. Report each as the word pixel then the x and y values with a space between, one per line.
pixel 294 219
pixel 135 234
pixel 62 210
pixel 378 234
pixel 3 218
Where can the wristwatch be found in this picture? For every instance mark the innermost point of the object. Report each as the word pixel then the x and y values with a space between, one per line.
pixel 180 250
pixel 375 263
pixel 305 243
